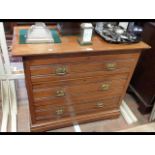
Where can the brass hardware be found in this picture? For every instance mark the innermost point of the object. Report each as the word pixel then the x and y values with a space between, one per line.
pixel 61 71
pixel 60 93
pixel 60 111
pixel 111 66
pixel 105 87
pixel 100 105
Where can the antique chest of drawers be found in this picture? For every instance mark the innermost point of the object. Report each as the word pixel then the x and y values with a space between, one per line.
pixel 68 83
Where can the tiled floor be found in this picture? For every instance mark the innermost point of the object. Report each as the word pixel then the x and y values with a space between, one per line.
pixel 99 126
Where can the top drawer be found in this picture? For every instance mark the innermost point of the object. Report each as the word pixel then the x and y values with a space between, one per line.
pixel 53 69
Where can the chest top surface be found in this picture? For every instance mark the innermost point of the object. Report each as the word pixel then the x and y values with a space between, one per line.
pixel 69 45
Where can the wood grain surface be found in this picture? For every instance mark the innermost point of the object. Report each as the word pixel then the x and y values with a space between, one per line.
pixel 69 45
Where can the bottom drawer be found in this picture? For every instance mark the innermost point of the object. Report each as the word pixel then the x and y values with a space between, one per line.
pixel 50 112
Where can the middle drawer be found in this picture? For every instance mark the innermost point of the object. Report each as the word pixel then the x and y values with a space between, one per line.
pixel 77 90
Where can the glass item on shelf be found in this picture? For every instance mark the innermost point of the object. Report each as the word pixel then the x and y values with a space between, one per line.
pixel 39 33
pixel 86 33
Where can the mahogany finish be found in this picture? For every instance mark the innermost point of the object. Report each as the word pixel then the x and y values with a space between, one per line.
pixel 143 81
pixel 68 83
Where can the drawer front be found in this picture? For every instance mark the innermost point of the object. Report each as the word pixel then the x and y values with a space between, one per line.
pixel 64 59
pixel 55 113
pixel 100 66
pixel 59 112
pixel 98 86
pixel 81 81
pixel 61 87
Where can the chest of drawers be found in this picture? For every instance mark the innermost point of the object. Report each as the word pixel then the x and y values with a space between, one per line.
pixel 68 83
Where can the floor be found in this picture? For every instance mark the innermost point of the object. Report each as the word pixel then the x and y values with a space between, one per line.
pixel 142 128
pixel 98 126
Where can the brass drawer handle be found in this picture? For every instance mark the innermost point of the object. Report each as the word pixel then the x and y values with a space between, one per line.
pixel 60 111
pixel 111 66
pixel 60 93
pixel 105 87
pixel 100 105
pixel 61 71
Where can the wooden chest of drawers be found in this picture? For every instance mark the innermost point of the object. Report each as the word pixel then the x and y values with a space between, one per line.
pixel 69 83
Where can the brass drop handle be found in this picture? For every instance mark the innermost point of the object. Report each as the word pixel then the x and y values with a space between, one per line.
pixel 105 87
pixel 111 66
pixel 60 93
pixel 60 111
pixel 100 105
pixel 61 71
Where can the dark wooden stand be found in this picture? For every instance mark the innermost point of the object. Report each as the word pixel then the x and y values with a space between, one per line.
pixel 143 81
